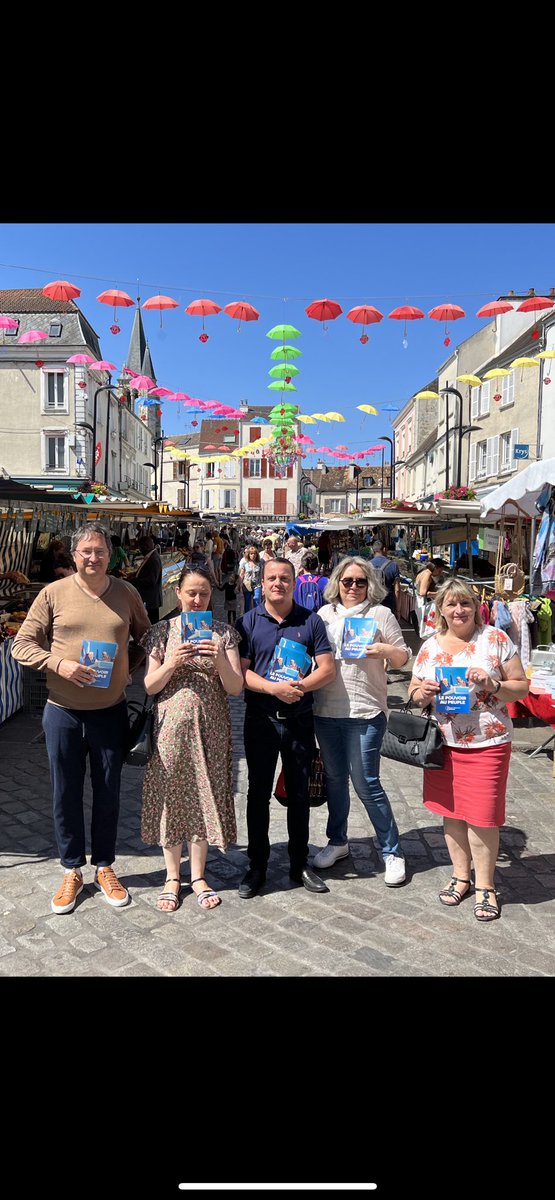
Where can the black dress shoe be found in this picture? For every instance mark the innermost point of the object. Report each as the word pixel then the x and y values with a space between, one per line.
pixel 252 882
pixel 310 880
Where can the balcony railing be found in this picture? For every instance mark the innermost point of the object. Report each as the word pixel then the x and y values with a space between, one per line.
pixel 267 509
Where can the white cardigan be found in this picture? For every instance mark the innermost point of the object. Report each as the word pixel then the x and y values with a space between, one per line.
pixel 360 687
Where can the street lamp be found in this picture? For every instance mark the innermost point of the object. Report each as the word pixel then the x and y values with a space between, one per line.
pixel 154 486
pixel 385 438
pixel 356 471
pixel 155 443
pixel 85 425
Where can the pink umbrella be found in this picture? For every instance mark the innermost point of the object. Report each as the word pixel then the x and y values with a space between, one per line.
pixel 102 365
pixel 79 359
pixel 160 393
pixel 7 322
pixel 143 383
pixel 33 335
pixel 177 396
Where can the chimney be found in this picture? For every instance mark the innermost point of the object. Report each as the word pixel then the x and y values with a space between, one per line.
pixel 531 292
pixel 551 293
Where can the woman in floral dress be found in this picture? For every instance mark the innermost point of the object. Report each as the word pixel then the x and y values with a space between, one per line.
pixel 187 791
pixel 470 790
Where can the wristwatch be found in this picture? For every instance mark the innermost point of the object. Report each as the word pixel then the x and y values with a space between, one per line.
pixel 495 689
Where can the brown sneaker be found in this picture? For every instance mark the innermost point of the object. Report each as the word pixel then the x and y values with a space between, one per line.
pixel 110 886
pixel 70 888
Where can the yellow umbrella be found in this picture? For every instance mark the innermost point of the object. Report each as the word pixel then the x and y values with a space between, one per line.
pixel 496 373
pixel 306 419
pixel 334 416
pixel 320 417
pixel 368 408
pixel 525 362
pixel 471 379
pixel 428 395
pixel 547 354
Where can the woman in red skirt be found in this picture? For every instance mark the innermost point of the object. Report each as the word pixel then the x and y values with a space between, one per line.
pixel 470 790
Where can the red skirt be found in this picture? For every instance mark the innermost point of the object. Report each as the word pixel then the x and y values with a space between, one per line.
pixel 472 785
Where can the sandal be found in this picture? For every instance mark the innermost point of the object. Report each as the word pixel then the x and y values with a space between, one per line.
pixel 452 891
pixel 490 912
pixel 206 894
pixel 170 897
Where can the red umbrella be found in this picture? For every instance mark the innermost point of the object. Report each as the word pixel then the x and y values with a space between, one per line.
pixel 446 312
pixel 160 302
pixel 242 312
pixel 324 310
pixel 118 300
pixel 203 308
pixel 60 289
pixel 364 314
pixel 495 309
pixel 405 313
pixel 532 304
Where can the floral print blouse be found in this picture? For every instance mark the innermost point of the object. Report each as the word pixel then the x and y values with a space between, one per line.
pixel 488 722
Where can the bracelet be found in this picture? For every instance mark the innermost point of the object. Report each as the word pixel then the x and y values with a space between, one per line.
pixel 496 689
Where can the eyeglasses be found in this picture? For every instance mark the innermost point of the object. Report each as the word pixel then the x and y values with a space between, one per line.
pixel 92 553
pixel 348 582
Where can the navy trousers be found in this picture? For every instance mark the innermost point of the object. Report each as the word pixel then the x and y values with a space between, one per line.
pixel 265 738
pixel 71 735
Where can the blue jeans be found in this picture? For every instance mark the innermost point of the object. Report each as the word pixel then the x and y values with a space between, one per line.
pixel 351 748
pixel 71 735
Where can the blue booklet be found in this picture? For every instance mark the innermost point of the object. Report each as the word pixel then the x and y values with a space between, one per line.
pixel 358 633
pixel 454 692
pixel 196 626
pixel 99 655
pixel 291 661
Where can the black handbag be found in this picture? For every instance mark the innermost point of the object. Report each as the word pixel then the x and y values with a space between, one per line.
pixel 139 743
pixel 413 738
pixel 317 789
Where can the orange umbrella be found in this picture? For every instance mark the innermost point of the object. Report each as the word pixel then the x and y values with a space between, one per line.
pixel 160 302
pixel 242 312
pixel 446 312
pixel 118 300
pixel 364 314
pixel 60 289
pixel 407 312
pixel 203 308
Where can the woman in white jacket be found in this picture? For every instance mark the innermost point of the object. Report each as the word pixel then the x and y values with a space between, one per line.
pixel 350 714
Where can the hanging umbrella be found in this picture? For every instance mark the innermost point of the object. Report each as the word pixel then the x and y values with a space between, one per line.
pixel 306 419
pixel 60 289
pixel 535 304
pixel 364 314
pixel 286 352
pixel 472 380
pixel 177 396
pixel 160 302
pixel 446 313
pixel 258 421
pixel 7 322
pixel 160 392
pixel 334 416
pixel 143 383
pixel 519 362
pixel 284 371
pixel 118 300
pixel 241 311
pixel 495 309
pixel 427 394
pixel 283 332
pixel 102 365
pixel 279 386
pixel 33 335
pixel 547 354
pixel 496 373
pixel 407 312
pixel 368 408
pixel 80 360
pixel 324 310
pixel 320 417
pixel 203 308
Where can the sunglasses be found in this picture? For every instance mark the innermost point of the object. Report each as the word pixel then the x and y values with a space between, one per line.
pixel 348 582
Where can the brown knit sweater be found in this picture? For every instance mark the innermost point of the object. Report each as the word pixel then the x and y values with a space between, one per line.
pixel 61 616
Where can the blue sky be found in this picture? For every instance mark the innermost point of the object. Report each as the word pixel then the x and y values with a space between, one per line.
pixel 280 269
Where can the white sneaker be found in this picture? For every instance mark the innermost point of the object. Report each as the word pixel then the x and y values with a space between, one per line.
pixel 394 870
pixel 330 854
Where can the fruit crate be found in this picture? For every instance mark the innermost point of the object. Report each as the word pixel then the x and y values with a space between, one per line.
pixel 35 694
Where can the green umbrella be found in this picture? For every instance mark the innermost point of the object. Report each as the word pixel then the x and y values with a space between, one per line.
pixel 286 352
pixel 284 371
pixel 287 406
pixel 283 332
pixel 279 386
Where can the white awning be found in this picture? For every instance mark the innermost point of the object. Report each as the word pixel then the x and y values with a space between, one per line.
pixel 523 488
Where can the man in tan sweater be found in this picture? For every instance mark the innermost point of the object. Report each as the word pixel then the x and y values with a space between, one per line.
pixel 78 631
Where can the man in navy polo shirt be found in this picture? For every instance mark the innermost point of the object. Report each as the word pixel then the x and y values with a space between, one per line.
pixel 279 721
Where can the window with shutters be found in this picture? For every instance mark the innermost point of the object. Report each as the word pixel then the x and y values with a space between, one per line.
pixel 280 501
pixel 472 462
pixel 481 458
pixel 485 398
pixel 209 498
pixel 508 462
pixel 254 497
pixel 229 497
pixel 254 433
pixel 335 506
pixel 55 450
pixel 210 472
pixel 229 470
pixel 255 468
pixel 508 390
pixel 55 391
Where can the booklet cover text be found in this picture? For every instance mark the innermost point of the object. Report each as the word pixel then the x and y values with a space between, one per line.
pixel 358 633
pixel 99 655
pixel 454 692
pixel 196 626
pixel 291 661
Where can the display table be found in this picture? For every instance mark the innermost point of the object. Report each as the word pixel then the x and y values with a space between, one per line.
pixel 536 704
pixel 170 579
pixel 11 682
